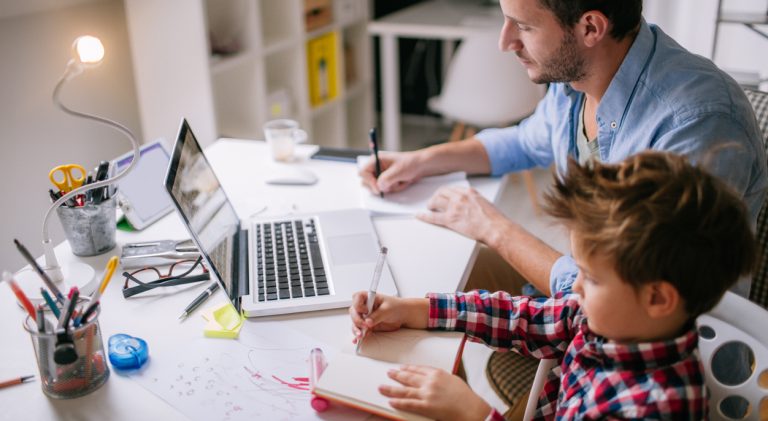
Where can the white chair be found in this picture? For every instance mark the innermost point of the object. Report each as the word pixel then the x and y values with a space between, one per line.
pixel 485 87
pixel 735 323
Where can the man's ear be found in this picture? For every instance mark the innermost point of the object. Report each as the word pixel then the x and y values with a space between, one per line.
pixel 661 299
pixel 593 27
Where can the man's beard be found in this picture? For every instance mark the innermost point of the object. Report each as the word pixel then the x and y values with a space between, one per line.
pixel 565 65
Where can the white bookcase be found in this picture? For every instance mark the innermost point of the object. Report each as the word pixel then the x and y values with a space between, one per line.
pixel 265 68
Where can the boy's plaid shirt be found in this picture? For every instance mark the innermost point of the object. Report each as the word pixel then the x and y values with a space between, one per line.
pixel 596 379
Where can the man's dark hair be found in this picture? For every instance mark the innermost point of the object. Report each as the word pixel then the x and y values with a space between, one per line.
pixel 625 15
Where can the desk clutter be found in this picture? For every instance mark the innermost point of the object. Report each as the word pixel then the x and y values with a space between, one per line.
pixel 88 219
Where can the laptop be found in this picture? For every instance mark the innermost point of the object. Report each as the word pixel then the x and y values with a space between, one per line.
pixel 274 265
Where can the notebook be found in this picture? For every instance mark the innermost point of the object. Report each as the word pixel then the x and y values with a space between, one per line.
pixel 278 265
pixel 353 379
pixel 412 200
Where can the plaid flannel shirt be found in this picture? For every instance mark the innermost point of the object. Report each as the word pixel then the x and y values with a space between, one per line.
pixel 596 379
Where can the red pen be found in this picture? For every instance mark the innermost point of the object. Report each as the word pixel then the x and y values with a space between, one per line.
pixel 7 277
pixel 317 365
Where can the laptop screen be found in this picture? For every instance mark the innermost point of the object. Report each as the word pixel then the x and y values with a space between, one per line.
pixel 202 204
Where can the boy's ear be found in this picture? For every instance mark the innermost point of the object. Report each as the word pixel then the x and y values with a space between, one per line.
pixel 661 299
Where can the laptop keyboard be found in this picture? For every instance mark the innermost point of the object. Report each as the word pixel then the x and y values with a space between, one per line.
pixel 289 262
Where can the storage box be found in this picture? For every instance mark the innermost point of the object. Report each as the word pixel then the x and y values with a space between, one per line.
pixel 317 13
pixel 322 60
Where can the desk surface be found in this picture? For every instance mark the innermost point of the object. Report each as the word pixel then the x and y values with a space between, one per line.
pixel 422 257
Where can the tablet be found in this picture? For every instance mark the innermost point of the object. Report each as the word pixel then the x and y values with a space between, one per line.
pixel 141 194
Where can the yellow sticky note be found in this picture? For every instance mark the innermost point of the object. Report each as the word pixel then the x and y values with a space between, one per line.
pixel 223 322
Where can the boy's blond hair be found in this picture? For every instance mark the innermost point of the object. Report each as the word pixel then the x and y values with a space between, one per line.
pixel 659 218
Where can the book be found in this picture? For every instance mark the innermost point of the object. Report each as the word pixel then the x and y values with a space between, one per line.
pixel 353 379
pixel 321 63
pixel 413 199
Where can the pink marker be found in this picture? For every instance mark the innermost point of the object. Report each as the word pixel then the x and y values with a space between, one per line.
pixel 317 365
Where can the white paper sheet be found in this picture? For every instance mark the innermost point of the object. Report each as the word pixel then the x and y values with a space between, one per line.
pixel 412 200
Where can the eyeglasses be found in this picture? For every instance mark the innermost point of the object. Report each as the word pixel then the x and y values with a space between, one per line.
pixel 164 280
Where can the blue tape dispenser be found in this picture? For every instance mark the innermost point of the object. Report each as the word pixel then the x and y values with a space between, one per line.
pixel 127 352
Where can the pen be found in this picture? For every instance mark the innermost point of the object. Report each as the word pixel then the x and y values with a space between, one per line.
pixel 32 262
pixel 375 148
pixel 317 365
pixel 18 380
pixel 7 277
pixel 372 290
pixel 199 300
pixel 51 304
pixel 96 297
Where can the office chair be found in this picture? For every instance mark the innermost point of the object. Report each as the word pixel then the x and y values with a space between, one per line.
pixel 485 87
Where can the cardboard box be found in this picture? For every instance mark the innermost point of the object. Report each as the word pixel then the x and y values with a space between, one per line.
pixel 317 13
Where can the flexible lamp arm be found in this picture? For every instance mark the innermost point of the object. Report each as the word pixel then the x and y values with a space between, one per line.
pixel 73 69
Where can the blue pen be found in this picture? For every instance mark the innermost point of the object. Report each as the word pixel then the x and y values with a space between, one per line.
pixel 49 300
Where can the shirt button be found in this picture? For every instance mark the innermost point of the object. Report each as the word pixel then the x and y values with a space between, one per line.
pixel 614 125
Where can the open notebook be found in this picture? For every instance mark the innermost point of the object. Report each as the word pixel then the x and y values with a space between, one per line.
pixel 412 200
pixel 354 380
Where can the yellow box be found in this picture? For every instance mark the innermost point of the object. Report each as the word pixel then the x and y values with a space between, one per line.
pixel 322 59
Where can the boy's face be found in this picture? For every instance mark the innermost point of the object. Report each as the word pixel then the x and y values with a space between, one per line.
pixel 613 307
pixel 548 52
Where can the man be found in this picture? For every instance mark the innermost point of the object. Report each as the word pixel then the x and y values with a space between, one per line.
pixel 617 86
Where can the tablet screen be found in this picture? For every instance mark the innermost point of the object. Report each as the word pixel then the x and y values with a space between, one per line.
pixel 142 189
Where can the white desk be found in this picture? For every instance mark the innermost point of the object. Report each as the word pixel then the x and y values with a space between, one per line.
pixel 423 258
pixel 446 20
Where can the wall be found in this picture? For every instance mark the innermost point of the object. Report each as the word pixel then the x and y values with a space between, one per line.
pixel 692 24
pixel 36 136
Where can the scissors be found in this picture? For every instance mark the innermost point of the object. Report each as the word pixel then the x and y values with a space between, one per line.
pixel 67 177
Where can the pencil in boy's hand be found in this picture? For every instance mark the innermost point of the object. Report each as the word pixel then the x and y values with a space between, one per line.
pixel 375 149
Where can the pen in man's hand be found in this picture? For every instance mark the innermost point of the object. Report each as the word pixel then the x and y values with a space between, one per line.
pixel 372 290
pixel 199 300
pixel 375 148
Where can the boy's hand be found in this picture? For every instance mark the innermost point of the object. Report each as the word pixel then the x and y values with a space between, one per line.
pixel 389 313
pixel 435 394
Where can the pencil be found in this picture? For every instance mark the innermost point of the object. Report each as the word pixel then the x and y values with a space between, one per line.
pixel 14 382
pixel 44 276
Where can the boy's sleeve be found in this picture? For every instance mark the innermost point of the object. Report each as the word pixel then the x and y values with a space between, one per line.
pixel 542 328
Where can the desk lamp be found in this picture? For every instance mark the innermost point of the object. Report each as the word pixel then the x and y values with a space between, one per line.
pixel 87 52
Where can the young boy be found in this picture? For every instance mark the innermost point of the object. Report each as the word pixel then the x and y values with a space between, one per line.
pixel 657 242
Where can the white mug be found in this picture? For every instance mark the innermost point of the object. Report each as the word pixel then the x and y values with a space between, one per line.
pixel 281 136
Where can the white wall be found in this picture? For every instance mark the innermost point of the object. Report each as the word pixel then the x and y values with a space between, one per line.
pixel 34 135
pixel 692 24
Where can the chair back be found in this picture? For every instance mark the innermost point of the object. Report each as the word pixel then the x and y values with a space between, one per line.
pixel 485 87
pixel 733 343
pixel 759 290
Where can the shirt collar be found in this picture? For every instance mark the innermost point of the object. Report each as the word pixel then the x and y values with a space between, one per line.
pixel 643 355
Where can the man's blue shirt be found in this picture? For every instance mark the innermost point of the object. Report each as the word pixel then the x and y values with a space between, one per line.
pixel 661 98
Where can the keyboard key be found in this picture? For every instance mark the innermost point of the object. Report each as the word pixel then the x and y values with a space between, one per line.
pixel 323 291
pixel 284 294
pixel 271 297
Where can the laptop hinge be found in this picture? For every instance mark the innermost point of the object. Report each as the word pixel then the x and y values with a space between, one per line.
pixel 240 265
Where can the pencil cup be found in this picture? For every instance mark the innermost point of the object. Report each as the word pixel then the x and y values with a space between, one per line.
pixel 90 229
pixel 88 371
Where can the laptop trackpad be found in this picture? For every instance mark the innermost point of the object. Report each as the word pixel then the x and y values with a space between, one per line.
pixel 351 249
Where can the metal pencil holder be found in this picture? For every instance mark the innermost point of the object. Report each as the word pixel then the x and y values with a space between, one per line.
pixel 89 370
pixel 90 229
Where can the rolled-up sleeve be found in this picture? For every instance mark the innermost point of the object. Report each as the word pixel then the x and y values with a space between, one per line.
pixel 527 144
pixel 563 275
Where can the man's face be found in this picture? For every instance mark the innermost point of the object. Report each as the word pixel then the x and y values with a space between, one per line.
pixel 613 307
pixel 548 52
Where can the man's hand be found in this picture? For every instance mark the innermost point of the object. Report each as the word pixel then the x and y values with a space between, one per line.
pixel 434 393
pixel 398 171
pixel 465 211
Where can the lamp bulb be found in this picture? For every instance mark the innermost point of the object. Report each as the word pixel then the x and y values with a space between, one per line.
pixel 88 49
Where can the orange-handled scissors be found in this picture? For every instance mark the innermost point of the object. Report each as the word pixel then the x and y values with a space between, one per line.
pixel 67 177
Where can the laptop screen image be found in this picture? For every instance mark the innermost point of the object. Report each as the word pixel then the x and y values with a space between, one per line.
pixel 204 207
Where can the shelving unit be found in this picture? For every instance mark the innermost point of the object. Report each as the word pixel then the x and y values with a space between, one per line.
pixel 751 21
pixel 258 69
